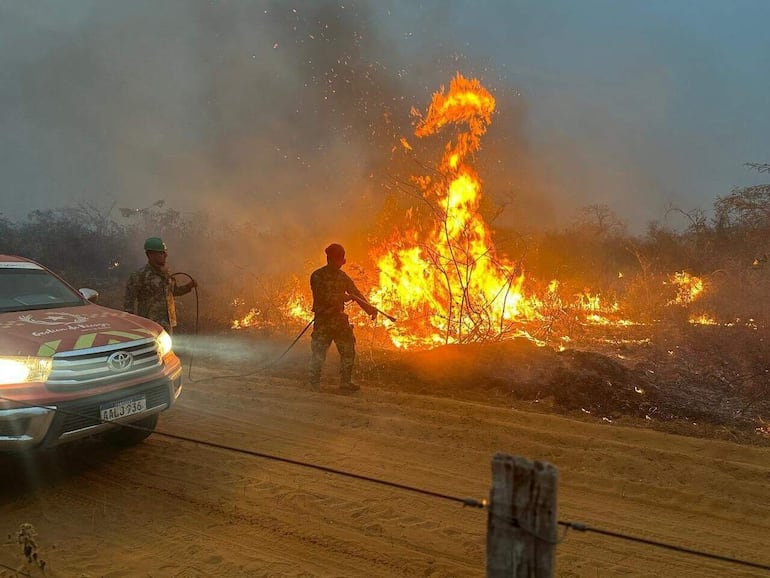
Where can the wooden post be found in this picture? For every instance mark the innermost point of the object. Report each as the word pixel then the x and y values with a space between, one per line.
pixel 522 523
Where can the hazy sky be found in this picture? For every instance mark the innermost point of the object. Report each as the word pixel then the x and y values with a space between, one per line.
pixel 288 111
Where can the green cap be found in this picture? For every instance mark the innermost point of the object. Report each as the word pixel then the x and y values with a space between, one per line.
pixel 154 244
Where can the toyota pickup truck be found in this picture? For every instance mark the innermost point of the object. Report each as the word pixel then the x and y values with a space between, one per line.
pixel 70 368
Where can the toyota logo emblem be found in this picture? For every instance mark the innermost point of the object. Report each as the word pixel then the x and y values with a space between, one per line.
pixel 120 360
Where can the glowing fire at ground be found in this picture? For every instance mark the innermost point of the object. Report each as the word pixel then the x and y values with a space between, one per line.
pixel 295 307
pixel 702 319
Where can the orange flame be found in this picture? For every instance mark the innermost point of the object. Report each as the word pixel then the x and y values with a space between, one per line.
pixel 688 288
pixel 449 285
pixel 251 319
pixel 702 319
pixel 298 308
pixel 442 277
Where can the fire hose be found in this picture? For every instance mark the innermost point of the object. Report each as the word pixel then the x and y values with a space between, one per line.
pixel 293 343
pixel 197 311
pixel 359 300
pixel 362 302
pixel 301 333
pixel 365 303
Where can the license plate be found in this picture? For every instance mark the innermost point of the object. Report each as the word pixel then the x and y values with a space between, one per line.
pixel 123 408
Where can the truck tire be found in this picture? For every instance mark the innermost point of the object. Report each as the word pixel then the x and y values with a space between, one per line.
pixel 128 436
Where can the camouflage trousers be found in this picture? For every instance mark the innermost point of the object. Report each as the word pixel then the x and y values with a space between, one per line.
pixel 339 330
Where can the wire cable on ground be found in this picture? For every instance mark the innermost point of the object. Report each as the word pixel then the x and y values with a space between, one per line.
pixel 464 501
pixel 586 528
pixel 581 527
pixel 468 502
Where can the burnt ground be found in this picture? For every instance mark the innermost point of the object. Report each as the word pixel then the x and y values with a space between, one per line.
pixel 706 381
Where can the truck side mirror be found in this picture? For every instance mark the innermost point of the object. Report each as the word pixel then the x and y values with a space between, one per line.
pixel 90 294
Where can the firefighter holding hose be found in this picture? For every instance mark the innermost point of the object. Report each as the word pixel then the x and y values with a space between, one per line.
pixel 150 291
pixel 332 288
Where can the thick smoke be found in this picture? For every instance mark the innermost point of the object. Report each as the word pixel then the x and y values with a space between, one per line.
pixel 289 110
pixel 272 119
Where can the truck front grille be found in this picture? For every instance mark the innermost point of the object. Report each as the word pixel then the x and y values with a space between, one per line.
pixel 73 416
pixel 88 368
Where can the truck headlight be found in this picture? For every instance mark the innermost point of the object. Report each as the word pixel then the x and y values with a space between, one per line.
pixel 164 344
pixel 24 369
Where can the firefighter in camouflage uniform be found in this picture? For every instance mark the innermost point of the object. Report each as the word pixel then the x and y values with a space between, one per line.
pixel 332 288
pixel 150 291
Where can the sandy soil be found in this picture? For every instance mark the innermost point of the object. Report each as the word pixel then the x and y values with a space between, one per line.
pixel 179 509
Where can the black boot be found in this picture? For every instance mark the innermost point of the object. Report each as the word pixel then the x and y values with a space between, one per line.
pixel 349 386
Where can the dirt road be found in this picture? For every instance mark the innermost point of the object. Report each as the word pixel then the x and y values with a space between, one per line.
pixel 179 509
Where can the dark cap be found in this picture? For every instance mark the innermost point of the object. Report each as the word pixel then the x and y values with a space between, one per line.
pixel 335 251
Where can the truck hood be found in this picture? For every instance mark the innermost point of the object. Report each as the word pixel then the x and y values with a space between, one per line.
pixel 44 332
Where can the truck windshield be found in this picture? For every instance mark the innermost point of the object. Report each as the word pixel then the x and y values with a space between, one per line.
pixel 29 289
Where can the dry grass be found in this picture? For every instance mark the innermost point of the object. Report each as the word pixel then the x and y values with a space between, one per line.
pixel 32 563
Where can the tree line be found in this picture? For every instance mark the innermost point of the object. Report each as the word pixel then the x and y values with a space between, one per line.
pixel 98 248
